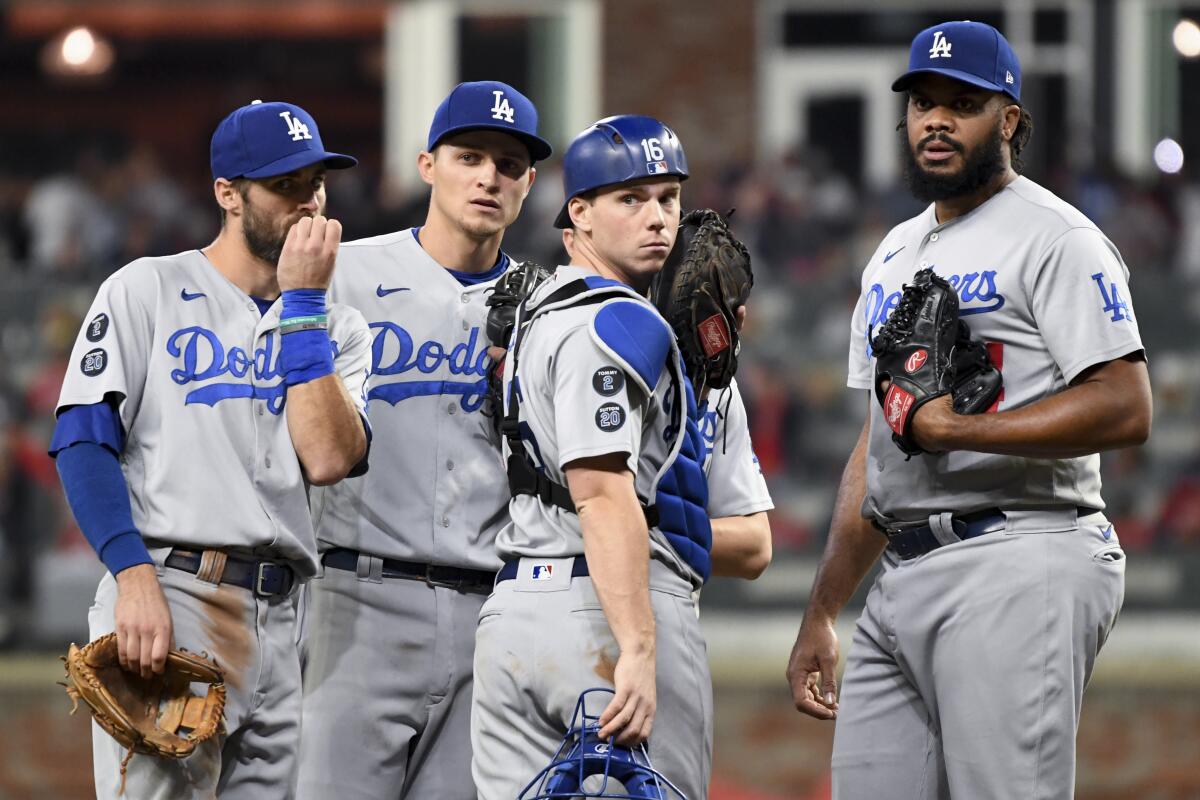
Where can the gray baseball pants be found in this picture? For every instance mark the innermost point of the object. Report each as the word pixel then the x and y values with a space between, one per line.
pixel 387 687
pixel 253 639
pixel 540 643
pixel 966 674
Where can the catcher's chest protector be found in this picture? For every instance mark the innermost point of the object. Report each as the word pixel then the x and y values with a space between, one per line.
pixel 679 511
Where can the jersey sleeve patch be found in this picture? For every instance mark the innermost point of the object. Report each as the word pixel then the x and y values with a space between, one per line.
pixel 637 336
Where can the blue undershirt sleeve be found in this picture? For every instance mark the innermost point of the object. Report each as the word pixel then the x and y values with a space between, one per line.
pixel 99 498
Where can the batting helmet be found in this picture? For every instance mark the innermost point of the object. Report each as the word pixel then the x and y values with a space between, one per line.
pixel 583 755
pixel 619 149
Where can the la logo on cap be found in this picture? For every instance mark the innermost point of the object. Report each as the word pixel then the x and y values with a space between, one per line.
pixel 502 110
pixel 941 48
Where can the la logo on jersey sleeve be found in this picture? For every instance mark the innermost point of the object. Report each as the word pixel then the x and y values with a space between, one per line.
pixel 1114 304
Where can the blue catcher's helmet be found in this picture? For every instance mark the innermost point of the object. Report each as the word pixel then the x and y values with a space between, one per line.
pixel 619 149
pixel 583 755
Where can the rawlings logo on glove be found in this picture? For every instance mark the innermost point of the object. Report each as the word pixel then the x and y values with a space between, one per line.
pixel 705 280
pixel 157 716
pixel 924 351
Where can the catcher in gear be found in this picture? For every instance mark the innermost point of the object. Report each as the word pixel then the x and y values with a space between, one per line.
pixel 924 351
pixel 159 715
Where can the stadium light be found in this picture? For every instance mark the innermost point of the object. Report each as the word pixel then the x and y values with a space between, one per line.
pixel 1186 38
pixel 77 53
pixel 1168 156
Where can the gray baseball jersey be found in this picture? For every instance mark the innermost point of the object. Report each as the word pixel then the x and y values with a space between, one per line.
pixel 946 632
pixel 208 456
pixel 542 636
pixel 736 486
pixel 1048 292
pixel 436 494
pixel 210 464
pixel 577 403
pixel 436 491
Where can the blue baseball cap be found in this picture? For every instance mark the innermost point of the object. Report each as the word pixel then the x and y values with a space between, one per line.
pixel 617 150
pixel 489 105
pixel 265 139
pixel 971 52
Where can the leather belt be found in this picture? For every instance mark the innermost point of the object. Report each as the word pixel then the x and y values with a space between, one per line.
pixel 264 578
pixel 476 581
pixel 579 569
pixel 917 540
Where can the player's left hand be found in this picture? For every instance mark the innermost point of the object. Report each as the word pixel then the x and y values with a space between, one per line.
pixel 308 254
pixel 933 422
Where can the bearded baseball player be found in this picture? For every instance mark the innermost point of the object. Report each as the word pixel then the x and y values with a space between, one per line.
pixel 409 549
pixel 207 391
pixel 1001 576
pixel 609 535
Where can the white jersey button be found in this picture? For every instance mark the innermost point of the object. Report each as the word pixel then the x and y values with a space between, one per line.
pixel 933 237
pixel 466 298
pixel 445 522
pixel 450 409
pixel 449 464
pixel 466 325
pixel 267 460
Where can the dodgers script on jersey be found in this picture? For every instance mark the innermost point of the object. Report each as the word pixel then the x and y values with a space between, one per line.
pixel 436 493
pixel 575 403
pixel 203 404
pixel 1049 294
pixel 736 486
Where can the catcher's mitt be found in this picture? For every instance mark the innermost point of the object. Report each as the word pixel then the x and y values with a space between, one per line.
pixel 517 283
pixel 923 351
pixel 147 715
pixel 705 280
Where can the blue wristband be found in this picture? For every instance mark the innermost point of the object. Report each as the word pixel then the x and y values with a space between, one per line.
pixel 302 303
pixel 305 356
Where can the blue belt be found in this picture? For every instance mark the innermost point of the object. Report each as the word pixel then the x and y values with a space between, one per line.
pixel 579 569
pixel 916 541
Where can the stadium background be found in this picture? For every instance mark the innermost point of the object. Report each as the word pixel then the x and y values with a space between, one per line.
pixel 106 109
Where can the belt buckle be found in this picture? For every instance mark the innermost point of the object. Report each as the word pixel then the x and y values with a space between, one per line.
pixel 260 575
pixel 456 584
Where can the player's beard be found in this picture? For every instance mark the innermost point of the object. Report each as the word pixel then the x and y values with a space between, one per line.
pixel 263 238
pixel 983 164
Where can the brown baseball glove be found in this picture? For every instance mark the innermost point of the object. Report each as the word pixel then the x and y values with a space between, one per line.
pixel 157 716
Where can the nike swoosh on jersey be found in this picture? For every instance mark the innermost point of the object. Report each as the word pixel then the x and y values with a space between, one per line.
pixel 888 257
pixel 186 295
pixel 382 292
pixel 1107 534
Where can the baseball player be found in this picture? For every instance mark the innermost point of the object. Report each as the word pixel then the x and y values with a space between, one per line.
pixel 207 390
pixel 738 497
pixel 1001 576
pixel 409 549
pixel 609 535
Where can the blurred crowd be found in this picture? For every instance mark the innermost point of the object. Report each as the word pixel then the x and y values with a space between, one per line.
pixel 810 231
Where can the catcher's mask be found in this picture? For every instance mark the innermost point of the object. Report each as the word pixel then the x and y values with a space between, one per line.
pixel 587 766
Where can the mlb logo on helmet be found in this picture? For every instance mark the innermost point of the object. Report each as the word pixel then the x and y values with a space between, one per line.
pixel 543 572
pixel 966 51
